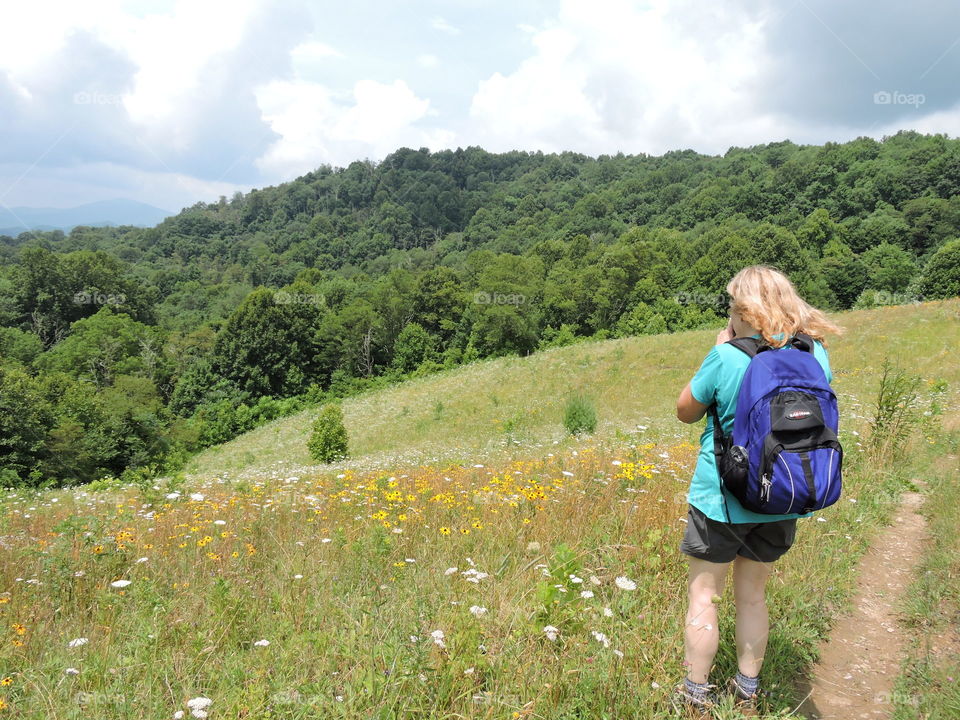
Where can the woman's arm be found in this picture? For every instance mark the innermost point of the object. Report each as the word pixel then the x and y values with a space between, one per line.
pixel 689 409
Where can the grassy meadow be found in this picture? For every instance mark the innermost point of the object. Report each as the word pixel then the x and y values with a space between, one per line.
pixel 469 561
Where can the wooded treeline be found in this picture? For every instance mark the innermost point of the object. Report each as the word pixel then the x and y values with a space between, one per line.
pixel 124 350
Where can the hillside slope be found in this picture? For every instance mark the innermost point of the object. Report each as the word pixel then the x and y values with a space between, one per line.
pixel 481 409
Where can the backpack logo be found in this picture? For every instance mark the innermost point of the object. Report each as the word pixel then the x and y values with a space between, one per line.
pixel 798 414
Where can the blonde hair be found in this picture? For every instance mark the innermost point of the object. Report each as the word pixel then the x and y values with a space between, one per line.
pixel 766 299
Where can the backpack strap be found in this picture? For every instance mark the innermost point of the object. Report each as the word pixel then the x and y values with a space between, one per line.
pixel 751 345
pixel 720 443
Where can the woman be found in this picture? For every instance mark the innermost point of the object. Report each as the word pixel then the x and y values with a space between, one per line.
pixel 765 305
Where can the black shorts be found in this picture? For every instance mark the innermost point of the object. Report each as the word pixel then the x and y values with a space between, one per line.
pixel 721 542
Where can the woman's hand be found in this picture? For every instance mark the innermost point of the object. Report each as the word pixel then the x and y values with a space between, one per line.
pixel 726 334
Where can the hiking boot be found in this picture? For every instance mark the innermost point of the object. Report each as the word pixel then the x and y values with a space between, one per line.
pixel 692 707
pixel 746 703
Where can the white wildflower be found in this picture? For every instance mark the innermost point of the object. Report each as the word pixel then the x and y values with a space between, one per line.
pixel 196 497
pixel 438 636
pixel 601 638
pixel 71 671
pixel 625 583
pixel 450 571
pixel 478 610
pixel 77 642
pixel 551 632
pixel 262 643
pixel 586 594
pixel 120 583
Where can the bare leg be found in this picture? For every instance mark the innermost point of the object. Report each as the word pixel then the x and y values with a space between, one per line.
pixel 701 636
pixel 753 623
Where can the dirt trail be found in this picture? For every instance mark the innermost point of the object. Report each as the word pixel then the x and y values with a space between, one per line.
pixel 860 660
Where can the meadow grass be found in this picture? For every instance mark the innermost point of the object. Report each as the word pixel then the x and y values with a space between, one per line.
pixel 489 409
pixel 544 582
pixel 929 684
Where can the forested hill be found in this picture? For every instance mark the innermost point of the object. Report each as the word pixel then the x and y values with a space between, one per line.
pixel 126 349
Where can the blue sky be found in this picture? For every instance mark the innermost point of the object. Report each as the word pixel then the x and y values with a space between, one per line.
pixel 174 102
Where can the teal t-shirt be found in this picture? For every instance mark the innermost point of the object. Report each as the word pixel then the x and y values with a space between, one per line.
pixel 718 380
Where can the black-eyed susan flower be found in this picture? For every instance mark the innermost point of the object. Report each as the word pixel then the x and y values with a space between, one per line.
pixel 444 531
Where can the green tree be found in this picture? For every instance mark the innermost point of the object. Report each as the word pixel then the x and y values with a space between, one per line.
pixel 889 267
pixel 414 345
pixel 267 346
pixel 941 276
pixel 25 420
pixel 328 441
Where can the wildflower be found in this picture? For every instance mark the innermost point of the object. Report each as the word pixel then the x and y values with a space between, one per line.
pixel 77 642
pixel 18 628
pixel 450 571
pixel 172 496
pixel 97 549
pixel 71 671
pixel 261 643
pixel 607 612
pixel 198 706
pixel 120 583
pixel 625 583
pixel 478 610
pixel 178 715
pixel 551 632
pixel 601 638
pixel 586 594
pixel 196 497
pixel 444 531
pixel 6 681
pixel 3 704
pixel 438 636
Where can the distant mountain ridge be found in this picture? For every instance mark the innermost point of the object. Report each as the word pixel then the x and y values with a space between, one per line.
pixel 96 214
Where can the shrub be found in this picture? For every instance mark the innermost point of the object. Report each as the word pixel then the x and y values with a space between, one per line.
pixel 580 415
pixel 328 442
pixel 895 412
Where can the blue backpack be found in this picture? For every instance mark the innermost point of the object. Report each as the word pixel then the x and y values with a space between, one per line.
pixel 783 456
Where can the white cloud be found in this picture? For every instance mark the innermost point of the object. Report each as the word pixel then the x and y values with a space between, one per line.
pixel 428 61
pixel 615 76
pixel 317 126
pixel 438 23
